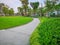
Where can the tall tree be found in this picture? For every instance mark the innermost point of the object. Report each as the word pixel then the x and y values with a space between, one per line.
pixel 34 5
pixel 20 11
pixel 29 11
pixel 11 12
pixel 1 7
pixel 25 5
pixel 57 7
pixel 5 10
pixel 50 5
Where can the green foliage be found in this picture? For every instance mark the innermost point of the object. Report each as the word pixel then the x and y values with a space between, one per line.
pixel 11 12
pixel 29 11
pixel 5 10
pixel 8 11
pixel 20 9
pixel 50 5
pixel 9 22
pixel 25 6
pixel 34 5
pixel 47 33
pixel 57 7
pixel 24 2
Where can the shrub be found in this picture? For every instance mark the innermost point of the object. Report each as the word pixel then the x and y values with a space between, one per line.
pixel 48 32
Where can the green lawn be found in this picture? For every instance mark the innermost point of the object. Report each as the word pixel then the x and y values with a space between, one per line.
pixel 12 21
pixel 47 33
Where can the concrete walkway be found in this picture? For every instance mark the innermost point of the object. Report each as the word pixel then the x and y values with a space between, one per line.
pixel 18 35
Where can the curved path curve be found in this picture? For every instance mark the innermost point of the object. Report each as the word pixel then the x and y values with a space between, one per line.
pixel 18 35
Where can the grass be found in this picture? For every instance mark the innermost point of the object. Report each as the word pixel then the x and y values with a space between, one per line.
pixel 47 33
pixel 13 21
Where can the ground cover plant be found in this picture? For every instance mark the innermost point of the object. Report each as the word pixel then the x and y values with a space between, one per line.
pixel 47 33
pixel 12 21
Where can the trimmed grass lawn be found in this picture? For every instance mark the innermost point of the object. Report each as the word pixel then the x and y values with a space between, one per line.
pixel 13 21
pixel 47 33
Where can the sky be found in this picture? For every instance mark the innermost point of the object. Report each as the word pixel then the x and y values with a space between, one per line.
pixel 16 3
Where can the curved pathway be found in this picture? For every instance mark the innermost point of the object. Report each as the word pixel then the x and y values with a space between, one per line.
pixel 18 35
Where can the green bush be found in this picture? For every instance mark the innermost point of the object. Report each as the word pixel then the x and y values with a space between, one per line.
pixel 48 33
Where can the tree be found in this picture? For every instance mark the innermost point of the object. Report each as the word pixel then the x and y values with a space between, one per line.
pixel 57 8
pixel 20 11
pixel 50 5
pixel 5 10
pixel 11 12
pixel 34 5
pixel 25 6
pixel 1 7
pixel 29 11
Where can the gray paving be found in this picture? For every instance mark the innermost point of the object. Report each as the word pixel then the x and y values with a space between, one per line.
pixel 19 35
